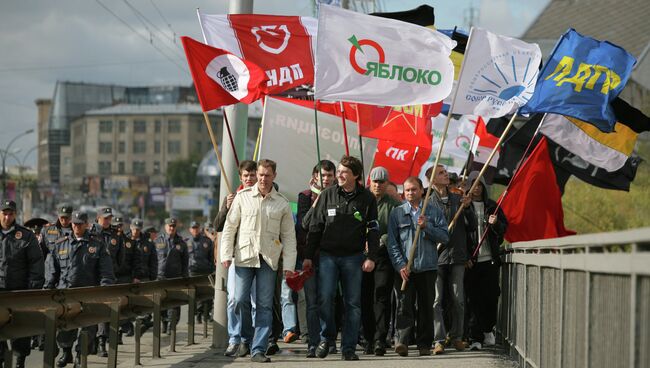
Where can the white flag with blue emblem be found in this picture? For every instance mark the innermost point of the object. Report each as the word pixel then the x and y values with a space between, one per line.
pixel 498 75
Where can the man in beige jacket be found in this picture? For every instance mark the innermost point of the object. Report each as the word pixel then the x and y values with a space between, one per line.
pixel 258 231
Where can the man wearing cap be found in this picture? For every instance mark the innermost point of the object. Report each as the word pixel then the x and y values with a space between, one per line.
pixel 200 262
pixel 118 225
pixel 378 285
pixel 145 251
pixel 259 230
pixel 171 252
pixel 77 260
pixel 62 227
pixel 21 268
pixel 125 263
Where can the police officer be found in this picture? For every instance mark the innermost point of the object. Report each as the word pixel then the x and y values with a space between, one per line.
pixel 62 227
pixel 171 252
pixel 77 260
pixel 21 267
pixel 148 263
pixel 121 267
pixel 118 224
pixel 200 250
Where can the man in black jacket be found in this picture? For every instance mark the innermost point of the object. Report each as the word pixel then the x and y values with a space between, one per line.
pixel 344 219
pixel 21 268
pixel 322 174
pixel 482 279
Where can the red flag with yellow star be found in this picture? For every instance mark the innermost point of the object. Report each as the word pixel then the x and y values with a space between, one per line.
pixel 403 124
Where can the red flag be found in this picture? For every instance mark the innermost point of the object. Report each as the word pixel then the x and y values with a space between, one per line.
pixel 401 160
pixel 533 205
pixel 485 144
pixel 409 125
pixel 221 78
pixel 406 124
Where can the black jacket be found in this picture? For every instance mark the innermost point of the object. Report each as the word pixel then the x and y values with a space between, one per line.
pixel 172 256
pixel 79 262
pixel 126 264
pixel 495 233
pixel 340 225
pixel 21 260
pixel 200 253
pixel 146 252
pixel 457 250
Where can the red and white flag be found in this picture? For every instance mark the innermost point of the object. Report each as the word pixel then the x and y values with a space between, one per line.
pixel 484 143
pixel 281 45
pixel 221 78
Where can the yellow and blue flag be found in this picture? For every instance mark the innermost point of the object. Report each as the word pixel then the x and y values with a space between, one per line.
pixel 581 78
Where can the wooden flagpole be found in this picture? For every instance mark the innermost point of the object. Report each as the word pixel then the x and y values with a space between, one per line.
pixel 232 142
pixel 438 154
pixel 483 169
pixel 345 129
pixel 520 163
pixel 317 143
pixel 216 150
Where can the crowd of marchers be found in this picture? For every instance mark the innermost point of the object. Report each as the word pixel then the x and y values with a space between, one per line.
pixel 364 266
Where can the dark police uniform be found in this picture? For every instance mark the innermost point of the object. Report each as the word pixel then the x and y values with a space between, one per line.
pixel 171 253
pixel 21 267
pixel 77 263
pixel 200 252
pixel 53 232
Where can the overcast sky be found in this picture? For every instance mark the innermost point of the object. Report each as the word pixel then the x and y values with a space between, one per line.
pixel 43 41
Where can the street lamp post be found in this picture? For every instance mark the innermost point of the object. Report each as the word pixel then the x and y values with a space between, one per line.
pixel 4 159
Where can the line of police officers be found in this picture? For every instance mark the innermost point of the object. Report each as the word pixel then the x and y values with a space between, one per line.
pixel 74 253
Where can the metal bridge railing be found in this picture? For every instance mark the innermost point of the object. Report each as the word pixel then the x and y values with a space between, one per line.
pixel 43 312
pixel 578 301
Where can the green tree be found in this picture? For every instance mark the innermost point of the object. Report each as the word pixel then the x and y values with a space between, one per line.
pixel 182 172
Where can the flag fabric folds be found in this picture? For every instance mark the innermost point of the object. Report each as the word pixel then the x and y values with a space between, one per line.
pixel 221 78
pixel 401 160
pixel 533 204
pixel 423 15
pixel 379 61
pixel 606 150
pixel 281 45
pixel 581 78
pixel 498 75
pixel 484 143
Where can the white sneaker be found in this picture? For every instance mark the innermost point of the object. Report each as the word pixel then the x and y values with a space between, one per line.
pixel 489 339
pixel 475 346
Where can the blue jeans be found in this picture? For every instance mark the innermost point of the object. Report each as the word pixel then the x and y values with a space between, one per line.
pixel 235 332
pixel 288 308
pixel 310 288
pixel 264 280
pixel 348 270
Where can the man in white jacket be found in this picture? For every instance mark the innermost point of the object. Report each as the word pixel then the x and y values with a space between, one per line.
pixel 258 231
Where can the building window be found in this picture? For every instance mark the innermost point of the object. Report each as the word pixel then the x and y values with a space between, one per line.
pixel 121 148
pixel 120 167
pixel 139 126
pixel 105 167
pixel 156 147
pixel 105 126
pixel 174 147
pixel 156 167
pixel 105 147
pixel 158 124
pixel 174 126
pixel 122 126
pixel 139 168
pixel 140 147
